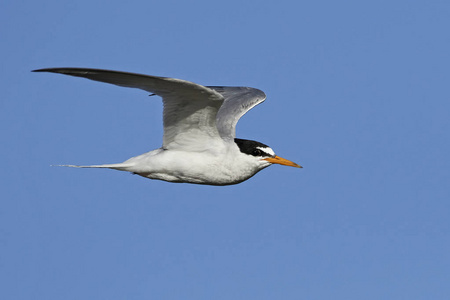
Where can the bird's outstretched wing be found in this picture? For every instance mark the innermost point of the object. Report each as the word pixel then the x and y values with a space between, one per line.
pixel 238 101
pixel 195 116
pixel 189 109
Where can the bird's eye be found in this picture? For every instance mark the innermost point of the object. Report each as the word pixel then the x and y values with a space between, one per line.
pixel 257 152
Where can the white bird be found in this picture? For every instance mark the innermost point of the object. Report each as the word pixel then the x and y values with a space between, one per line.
pixel 199 142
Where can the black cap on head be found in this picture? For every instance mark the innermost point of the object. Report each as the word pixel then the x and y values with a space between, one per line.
pixel 254 148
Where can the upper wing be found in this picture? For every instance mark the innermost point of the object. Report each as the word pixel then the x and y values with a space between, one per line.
pixel 238 101
pixel 189 109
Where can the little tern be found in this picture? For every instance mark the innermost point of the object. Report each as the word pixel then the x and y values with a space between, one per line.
pixel 199 142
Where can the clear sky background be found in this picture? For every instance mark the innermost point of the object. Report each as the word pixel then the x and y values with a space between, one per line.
pixel 358 93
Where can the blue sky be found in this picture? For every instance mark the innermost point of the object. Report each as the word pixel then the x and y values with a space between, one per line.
pixel 358 93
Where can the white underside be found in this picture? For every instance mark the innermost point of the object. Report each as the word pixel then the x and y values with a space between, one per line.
pixel 225 166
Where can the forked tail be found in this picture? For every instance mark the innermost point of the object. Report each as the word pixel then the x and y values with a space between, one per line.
pixel 120 166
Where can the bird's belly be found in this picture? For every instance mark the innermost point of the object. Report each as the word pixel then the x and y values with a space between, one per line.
pixel 214 176
pixel 192 168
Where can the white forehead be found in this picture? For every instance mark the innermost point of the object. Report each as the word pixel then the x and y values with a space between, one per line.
pixel 267 150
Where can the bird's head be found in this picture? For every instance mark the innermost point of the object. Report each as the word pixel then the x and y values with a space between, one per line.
pixel 264 155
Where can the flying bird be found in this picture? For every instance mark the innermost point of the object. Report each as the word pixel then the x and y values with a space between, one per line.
pixel 199 142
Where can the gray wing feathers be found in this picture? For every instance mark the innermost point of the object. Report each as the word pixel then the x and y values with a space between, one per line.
pixel 153 84
pixel 189 109
pixel 194 115
pixel 238 101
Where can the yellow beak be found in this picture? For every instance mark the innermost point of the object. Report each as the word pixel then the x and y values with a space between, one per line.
pixel 282 161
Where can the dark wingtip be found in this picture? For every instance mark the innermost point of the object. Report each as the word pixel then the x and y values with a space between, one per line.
pixel 43 70
pixel 55 70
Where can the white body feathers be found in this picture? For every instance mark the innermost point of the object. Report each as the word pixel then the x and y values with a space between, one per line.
pixel 199 144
